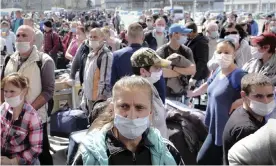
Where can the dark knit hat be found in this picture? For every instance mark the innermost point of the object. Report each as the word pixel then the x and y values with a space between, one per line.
pixel 48 23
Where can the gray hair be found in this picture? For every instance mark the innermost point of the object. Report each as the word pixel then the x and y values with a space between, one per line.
pixel 254 79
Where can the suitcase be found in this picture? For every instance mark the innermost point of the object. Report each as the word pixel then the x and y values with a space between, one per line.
pixel 74 141
pixel 64 122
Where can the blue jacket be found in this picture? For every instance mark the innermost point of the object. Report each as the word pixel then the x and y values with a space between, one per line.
pixel 13 24
pixel 254 28
pixel 93 148
pixel 121 67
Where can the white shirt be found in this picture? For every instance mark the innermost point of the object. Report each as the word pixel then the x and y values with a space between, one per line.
pixel 90 68
pixel 10 40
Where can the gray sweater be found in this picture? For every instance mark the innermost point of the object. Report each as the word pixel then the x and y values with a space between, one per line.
pixel 256 149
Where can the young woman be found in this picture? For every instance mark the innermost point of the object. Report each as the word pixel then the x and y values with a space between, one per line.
pixel 223 89
pixel 123 135
pixel 69 36
pixel 21 130
pixel 75 43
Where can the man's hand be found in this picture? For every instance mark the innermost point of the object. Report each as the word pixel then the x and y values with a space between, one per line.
pixel 6 161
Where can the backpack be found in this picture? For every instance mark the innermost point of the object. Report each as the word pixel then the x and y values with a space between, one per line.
pixel 39 64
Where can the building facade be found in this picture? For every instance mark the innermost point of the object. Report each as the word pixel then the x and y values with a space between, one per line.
pixel 250 5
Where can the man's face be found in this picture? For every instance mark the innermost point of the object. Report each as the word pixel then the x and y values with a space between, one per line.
pixel 160 23
pixel 24 35
pixel 94 36
pixel 263 94
pixel 18 14
pixel 46 29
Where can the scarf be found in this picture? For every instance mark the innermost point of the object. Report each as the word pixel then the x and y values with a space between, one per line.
pixel 268 69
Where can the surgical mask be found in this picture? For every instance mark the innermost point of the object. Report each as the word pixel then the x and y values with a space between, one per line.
pixel 273 29
pixel 73 30
pixel 160 28
pixel 149 24
pixel 233 37
pixel 131 128
pixel 155 76
pixel 4 29
pixel 14 101
pixel 142 20
pixel 260 108
pixel 94 44
pixel 256 54
pixel 182 40
pixel 213 35
pixel 22 47
pixel 224 60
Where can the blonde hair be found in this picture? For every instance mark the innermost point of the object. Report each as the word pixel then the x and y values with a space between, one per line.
pixel 106 31
pixel 17 80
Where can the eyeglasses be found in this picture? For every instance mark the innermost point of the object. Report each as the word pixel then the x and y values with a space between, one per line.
pixel 233 33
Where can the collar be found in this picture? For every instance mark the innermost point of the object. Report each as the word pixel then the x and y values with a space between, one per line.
pixel 33 56
pixel 135 45
pixel 254 120
pixel 116 146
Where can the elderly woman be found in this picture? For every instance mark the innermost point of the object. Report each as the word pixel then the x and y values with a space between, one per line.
pixel 123 135
pixel 21 129
pixel 264 60
pixel 220 101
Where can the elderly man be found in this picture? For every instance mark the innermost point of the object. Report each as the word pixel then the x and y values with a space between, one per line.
pixel 97 71
pixel 38 34
pixel 39 69
pixel 212 34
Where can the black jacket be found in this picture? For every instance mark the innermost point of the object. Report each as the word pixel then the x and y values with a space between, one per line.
pixel 200 48
pixel 118 154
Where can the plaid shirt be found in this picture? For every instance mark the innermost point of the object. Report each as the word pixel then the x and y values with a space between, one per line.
pixel 21 138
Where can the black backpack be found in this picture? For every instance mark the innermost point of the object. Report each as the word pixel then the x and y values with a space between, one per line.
pixel 39 64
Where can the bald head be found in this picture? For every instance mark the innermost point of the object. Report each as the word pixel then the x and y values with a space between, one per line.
pixel 212 27
pixel 25 33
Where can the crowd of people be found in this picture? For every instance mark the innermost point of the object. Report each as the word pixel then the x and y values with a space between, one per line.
pixel 134 70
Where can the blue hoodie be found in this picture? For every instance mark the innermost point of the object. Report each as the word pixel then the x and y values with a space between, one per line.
pixel 93 148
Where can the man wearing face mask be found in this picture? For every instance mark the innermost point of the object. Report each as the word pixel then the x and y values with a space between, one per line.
pixel 199 45
pixel 253 25
pixel 212 34
pixel 51 41
pixel 146 63
pixel 97 71
pixel 9 37
pixel 183 65
pixel 158 36
pixel 38 67
pixel 258 101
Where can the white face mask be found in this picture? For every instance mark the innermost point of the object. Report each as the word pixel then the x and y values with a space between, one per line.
pixel 131 128
pixel 14 101
pixel 22 47
pixel 182 40
pixel 260 108
pixel 233 37
pixel 160 28
pixel 224 60
pixel 154 77
pixel 149 24
pixel 213 35
pixel 256 54
pixel 94 44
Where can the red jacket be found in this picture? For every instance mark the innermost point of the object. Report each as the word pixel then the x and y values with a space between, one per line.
pixel 67 40
pixel 51 42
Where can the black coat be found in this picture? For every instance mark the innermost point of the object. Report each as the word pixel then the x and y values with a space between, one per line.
pixel 200 48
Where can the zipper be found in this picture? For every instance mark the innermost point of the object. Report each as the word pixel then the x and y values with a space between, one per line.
pixel 134 158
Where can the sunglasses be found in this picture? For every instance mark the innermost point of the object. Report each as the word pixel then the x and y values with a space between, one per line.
pixel 233 33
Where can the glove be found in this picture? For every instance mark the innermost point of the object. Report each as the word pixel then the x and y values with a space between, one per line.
pixel 70 82
pixel 6 161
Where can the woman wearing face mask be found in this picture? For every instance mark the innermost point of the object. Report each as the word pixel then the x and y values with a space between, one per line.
pixel 21 130
pixel 64 29
pixel 75 43
pixel 236 33
pixel 70 36
pixel 123 135
pixel 264 57
pixel 220 101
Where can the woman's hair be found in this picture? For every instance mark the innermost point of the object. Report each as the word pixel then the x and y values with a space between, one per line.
pixel 240 29
pixel 230 43
pixel 266 39
pixel 106 31
pixel 16 80
pixel 81 28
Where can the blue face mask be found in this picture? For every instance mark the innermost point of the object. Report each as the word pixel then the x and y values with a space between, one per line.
pixel 131 128
pixel 182 40
pixel 74 30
